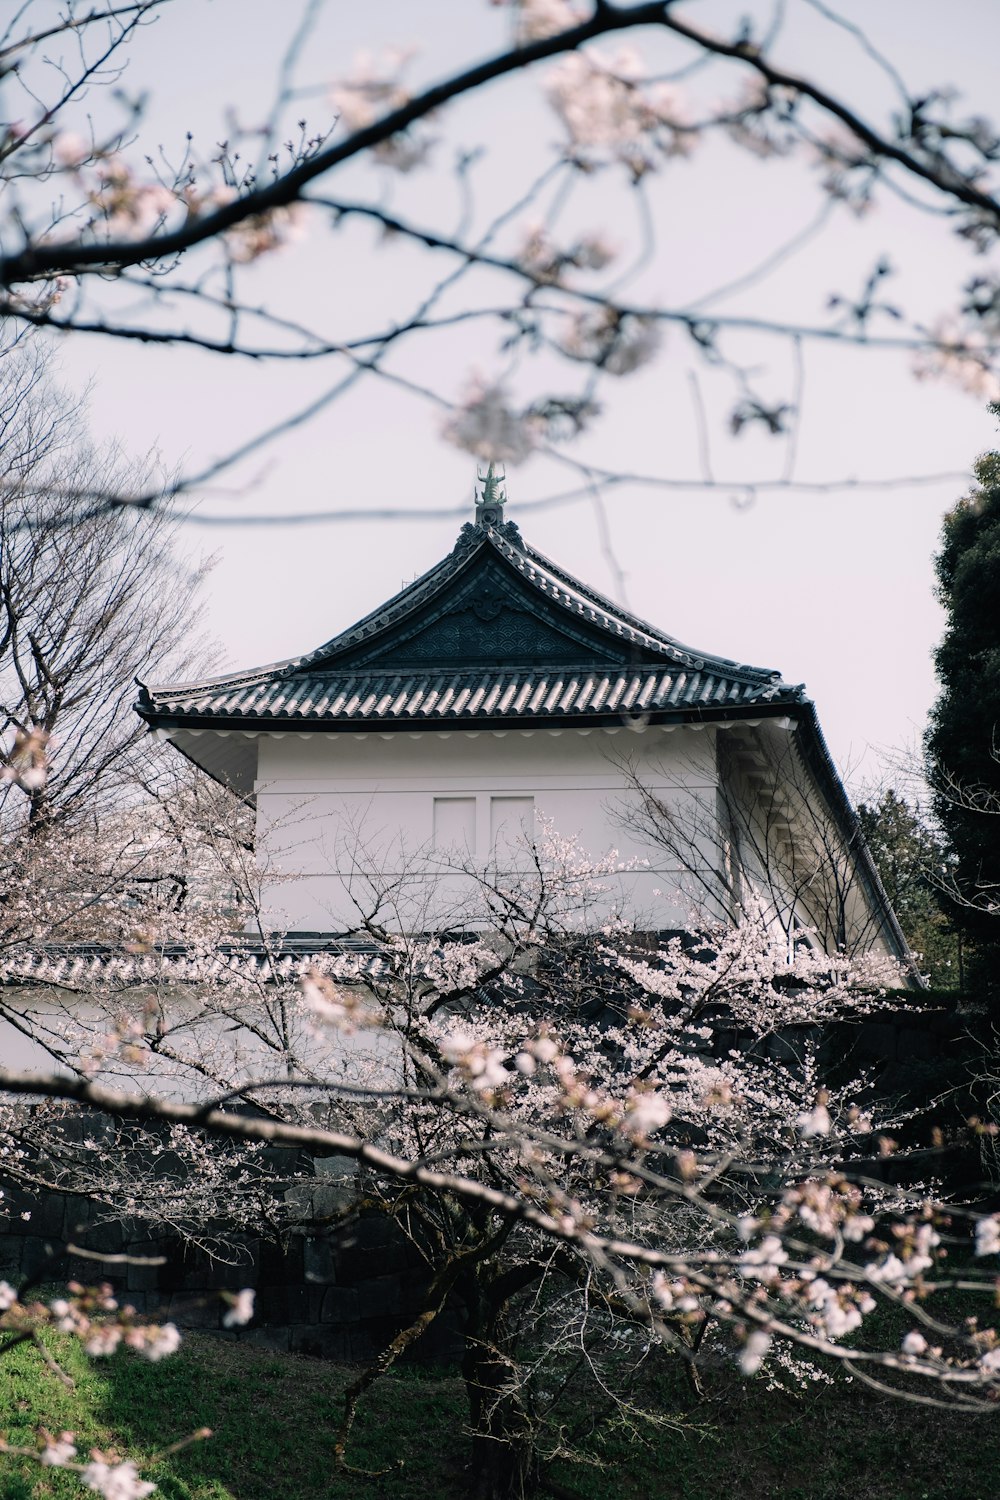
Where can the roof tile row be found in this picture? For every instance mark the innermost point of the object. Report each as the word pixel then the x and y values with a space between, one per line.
pixel 434 696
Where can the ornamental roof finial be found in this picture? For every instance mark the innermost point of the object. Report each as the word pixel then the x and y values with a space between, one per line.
pixel 491 499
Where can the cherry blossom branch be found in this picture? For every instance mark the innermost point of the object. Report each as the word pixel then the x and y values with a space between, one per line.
pixel 48 260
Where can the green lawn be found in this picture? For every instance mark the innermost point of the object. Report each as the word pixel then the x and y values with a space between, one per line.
pixel 274 1418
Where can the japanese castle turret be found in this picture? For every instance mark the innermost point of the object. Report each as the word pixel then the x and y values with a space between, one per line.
pixel 496 699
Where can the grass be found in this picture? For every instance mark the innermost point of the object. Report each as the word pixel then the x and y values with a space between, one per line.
pixel 274 1420
pixel 273 1417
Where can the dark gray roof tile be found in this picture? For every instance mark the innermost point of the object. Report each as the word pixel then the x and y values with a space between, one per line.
pixel 430 697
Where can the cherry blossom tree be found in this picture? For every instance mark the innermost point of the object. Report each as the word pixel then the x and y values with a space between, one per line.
pixel 587 1137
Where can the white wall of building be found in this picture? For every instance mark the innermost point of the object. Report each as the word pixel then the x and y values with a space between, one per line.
pixel 348 820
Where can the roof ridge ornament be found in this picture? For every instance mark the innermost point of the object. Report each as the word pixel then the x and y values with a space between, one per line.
pixel 491 500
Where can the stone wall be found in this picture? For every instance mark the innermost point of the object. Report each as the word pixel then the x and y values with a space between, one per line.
pixel 340 1294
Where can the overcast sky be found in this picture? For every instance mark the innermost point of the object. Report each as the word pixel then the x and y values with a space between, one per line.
pixel 835 591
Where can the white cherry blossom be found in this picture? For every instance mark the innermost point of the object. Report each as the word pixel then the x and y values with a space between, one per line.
pixel 241 1306
pixel 754 1351
pixel 486 424
pixel 988 1235
pixel 58 1451
pixel 116 1481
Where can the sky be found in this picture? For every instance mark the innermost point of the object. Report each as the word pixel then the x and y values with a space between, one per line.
pixel 834 590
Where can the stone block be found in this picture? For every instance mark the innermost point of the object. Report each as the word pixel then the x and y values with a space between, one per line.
pixel 79 1217
pixel 44 1258
pixel 90 1272
pixel 318 1260
pixel 232 1277
pixel 380 1296
pixel 784 1049
pixel 377 1229
pixel 300 1304
pixel 340 1305
pixel 416 1279
pixel 281 1265
pixel 15 1202
pixel 143 1278
pixel 444 1341
pixel 48 1216
pixel 11 1250
pixel 360 1261
pixel 272 1305
pixel 193 1272
pixel 299 1202
pixel 330 1198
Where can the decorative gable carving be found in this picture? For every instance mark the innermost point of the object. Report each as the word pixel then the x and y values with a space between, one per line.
pixel 489 630
pixel 487 614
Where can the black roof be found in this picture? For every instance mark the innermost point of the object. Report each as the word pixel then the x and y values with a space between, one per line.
pixel 494 634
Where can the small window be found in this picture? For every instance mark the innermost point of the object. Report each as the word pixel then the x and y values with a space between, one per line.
pixel 512 821
pixel 455 825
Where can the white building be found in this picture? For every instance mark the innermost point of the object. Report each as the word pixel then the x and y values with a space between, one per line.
pixel 496 696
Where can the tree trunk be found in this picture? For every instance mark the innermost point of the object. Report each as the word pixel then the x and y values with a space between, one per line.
pixel 504 1460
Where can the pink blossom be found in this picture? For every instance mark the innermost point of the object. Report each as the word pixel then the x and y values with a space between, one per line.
pixel 58 1451
pixel 763 1261
pixel 160 1342
pixel 373 91
pixel 102 1341
pixel 543 260
pixel 70 149
pixel 963 354
pixel 545 1049
pixel 615 343
pixel 753 1353
pixel 259 234
pixel 988 1235
pixel 537 19
pixel 609 110
pixel 814 1122
pixel 486 424
pixel 116 1481
pixel 645 1112
pixel 240 1308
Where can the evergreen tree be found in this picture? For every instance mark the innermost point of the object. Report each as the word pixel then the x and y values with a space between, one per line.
pixel 963 740
pixel 912 860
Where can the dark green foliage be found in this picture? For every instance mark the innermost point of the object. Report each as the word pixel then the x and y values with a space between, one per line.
pixel 912 859
pixel 963 740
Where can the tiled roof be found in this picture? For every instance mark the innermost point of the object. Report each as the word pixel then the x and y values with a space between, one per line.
pixel 615 666
pixel 284 960
pixel 431 697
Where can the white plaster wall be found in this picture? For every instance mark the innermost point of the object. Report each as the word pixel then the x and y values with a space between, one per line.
pixel 221 1046
pixel 345 820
